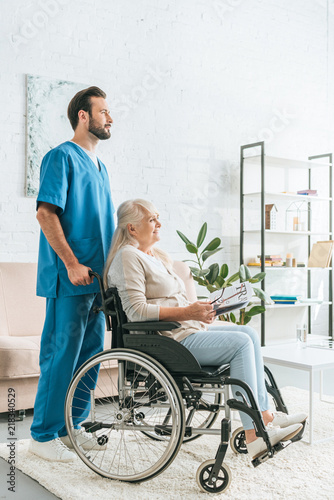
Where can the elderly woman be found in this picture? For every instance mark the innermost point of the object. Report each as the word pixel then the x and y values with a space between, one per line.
pixel 150 290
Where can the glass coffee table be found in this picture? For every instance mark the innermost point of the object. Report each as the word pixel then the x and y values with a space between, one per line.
pixel 310 359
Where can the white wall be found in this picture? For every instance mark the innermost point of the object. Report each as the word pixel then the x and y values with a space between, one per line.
pixel 188 82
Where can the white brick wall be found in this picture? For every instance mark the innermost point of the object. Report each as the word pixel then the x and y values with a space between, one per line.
pixel 188 82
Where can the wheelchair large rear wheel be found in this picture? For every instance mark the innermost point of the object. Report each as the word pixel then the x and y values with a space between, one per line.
pixel 116 395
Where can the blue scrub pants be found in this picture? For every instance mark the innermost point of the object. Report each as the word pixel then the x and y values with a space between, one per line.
pixel 240 347
pixel 72 333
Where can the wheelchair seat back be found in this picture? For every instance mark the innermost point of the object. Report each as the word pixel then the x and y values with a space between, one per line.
pixel 171 354
pixel 176 358
pixel 112 307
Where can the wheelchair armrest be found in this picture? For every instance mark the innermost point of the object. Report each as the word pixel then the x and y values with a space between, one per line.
pixel 151 326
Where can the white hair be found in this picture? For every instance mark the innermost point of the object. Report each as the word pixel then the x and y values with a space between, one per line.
pixel 131 212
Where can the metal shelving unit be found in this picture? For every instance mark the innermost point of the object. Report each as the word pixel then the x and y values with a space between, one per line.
pixel 264 162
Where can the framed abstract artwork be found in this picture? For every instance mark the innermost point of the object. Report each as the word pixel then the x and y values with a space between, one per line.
pixel 47 122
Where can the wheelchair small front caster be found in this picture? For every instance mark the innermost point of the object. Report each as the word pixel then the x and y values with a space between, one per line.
pixel 221 483
pixel 102 440
pixel 238 441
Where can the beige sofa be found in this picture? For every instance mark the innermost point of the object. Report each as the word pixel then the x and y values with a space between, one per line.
pixel 21 323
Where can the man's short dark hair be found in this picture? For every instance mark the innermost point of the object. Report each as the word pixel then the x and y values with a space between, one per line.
pixel 82 100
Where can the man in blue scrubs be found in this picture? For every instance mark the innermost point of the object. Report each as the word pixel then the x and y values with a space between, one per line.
pixel 75 212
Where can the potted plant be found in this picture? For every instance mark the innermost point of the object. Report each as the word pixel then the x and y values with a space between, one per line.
pixel 215 277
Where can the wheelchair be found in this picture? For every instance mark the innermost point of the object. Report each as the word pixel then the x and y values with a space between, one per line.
pixel 147 395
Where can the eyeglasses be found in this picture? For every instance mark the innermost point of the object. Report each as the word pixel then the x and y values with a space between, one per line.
pixel 221 295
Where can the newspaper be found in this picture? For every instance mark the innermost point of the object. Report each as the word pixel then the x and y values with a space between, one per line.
pixel 231 298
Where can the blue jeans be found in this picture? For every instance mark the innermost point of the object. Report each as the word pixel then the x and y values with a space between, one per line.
pixel 240 347
pixel 72 334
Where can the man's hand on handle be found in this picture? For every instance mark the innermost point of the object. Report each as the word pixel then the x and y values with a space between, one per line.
pixel 78 274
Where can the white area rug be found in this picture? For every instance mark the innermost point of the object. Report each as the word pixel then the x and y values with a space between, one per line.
pixel 300 472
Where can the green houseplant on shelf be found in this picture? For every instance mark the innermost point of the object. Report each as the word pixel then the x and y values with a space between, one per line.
pixel 215 277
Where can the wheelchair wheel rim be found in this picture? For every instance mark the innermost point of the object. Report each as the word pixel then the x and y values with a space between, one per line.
pixel 129 454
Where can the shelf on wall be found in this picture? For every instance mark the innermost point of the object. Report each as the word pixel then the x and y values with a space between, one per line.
pixel 297 233
pixel 285 162
pixel 289 196
pixel 256 165
pixel 297 304
pixel 288 269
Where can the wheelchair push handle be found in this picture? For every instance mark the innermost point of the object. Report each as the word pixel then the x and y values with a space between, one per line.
pixel 93 273
pixel 102 308
pixel 99 279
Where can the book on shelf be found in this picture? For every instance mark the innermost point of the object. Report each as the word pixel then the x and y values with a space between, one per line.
pixel 321 254
pixel 231 298
pixel 271 257
pixel 284 299
pixel 258 264
pixel 270 260
pixel 308 192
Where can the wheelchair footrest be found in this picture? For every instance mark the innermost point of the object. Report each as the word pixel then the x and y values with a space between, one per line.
pixel 163 430
pixel 266 455
pixel 96 426
pixel 300 434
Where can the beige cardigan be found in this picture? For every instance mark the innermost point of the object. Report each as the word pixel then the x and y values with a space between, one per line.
pixel 143 287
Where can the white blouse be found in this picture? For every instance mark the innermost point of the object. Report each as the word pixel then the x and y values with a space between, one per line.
pixel 144 284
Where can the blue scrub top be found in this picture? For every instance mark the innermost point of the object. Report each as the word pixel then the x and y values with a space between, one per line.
pixel 70 180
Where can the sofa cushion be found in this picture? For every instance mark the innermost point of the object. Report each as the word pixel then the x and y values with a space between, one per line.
pixel 19 356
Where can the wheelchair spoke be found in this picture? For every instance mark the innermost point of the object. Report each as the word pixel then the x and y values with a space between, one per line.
pixel 121 397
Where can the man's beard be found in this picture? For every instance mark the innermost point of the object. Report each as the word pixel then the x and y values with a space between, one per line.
pixel 99 132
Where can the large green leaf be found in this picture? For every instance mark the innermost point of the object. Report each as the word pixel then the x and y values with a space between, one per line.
pixel 200 281
pixel 184 238
pixel 203 272
pixel 262 295
pixel 212 276
pixel 191 248
pixel 248 273
pixel 202 234
pixel 194 271
pixel 232 317
pixel 212 245
pixel 219 281
pixel 247 319
pixel 242 273
pixel 232 278
pixel 223 271
pixel 258 277
pixel 256 310
pixel 207 254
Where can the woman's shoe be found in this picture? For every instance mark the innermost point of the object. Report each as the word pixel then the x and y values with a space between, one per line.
pixel 276 434
pixel 283 420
